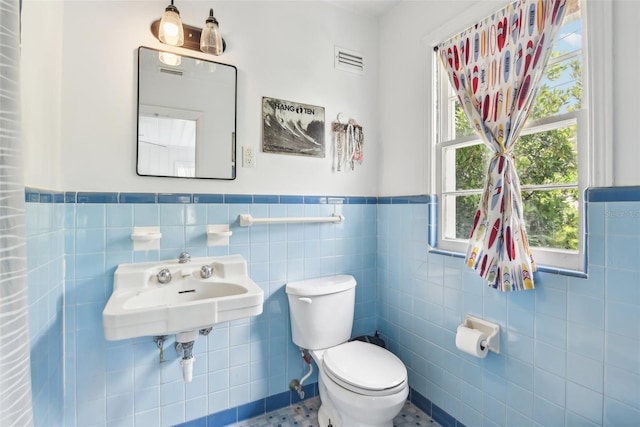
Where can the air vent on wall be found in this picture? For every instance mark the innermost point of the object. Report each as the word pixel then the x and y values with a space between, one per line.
pixel 170 71
pixel 348 60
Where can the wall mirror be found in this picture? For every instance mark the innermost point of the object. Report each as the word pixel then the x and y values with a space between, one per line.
pixel 186 116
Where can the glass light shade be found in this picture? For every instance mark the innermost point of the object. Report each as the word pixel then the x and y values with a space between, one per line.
pixel 169 58
pixel 171 31
pixel 210 38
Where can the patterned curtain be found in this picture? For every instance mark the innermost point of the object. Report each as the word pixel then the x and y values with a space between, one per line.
pixel 15 369
pixel 495 68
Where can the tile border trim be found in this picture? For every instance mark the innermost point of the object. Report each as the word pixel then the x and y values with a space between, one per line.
pixel 253 409
pixel 35 195
pixel 613 194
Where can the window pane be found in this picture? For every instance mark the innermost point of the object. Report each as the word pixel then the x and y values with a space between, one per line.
pixel 471 166
pixel 560 90
pixel 463 127
pixel 465 208
pixel 548 157
pixel 561 87
pixel 551 218
pixel 569 36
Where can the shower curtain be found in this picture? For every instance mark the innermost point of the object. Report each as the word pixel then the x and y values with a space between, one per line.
pixel 15 367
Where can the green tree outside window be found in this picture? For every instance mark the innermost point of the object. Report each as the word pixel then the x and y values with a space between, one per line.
pixel 548 157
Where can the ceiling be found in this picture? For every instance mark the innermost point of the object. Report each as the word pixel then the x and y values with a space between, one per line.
pixel 367 7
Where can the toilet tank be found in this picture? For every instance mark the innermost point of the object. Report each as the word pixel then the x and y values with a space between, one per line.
pixel 321 310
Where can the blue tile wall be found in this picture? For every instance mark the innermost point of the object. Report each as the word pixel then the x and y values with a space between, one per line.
pixel 569 349
pixel 242 366
pixel 45 276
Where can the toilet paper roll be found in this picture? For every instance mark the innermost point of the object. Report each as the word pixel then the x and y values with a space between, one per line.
pixel 472 341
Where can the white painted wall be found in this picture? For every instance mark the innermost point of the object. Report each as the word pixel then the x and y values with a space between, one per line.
pixel 79 101
pixel 626 93
pixel 281 49
pixel 405 70
pixel 41 73
pixel 404 89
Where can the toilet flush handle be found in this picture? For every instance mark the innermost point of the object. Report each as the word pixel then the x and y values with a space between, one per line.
pixel 307 300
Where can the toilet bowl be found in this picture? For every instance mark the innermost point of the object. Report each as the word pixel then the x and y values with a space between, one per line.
pixel 361 384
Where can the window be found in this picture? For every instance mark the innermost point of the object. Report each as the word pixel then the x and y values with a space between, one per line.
pixel 554 154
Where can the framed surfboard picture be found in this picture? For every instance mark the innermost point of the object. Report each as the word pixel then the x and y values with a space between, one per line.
pixel 292 128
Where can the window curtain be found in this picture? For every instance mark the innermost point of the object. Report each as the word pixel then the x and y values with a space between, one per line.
pixel 495 68
pixel 15 368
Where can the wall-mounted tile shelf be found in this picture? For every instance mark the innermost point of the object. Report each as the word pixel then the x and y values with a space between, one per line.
pixel 146 238
pixel 218 234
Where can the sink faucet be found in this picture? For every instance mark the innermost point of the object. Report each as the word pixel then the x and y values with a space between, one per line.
pixel 184 257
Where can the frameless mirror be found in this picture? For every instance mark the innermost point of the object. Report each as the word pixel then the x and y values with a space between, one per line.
pixel 186 116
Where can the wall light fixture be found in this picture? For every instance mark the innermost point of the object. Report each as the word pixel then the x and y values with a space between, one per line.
pixel 211 40
pixel 170 30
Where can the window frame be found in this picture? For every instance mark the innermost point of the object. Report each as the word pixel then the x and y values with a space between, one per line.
pixel 594 122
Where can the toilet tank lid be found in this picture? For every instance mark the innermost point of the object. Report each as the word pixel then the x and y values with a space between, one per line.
pixel 321 285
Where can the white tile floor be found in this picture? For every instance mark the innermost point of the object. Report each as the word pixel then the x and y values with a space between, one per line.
pixel 305 414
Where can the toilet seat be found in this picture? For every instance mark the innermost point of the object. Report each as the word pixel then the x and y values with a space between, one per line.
pixel 364 368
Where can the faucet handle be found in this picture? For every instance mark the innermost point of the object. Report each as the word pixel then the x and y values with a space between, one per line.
pixel 184 257
pixel 206 271
pixel 164 276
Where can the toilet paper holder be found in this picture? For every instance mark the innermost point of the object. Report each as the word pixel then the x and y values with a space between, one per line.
pixel 491 330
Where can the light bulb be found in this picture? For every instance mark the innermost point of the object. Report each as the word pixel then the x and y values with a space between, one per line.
pixel 171 31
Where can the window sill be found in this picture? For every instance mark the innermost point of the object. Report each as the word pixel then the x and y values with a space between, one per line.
pixel 540 268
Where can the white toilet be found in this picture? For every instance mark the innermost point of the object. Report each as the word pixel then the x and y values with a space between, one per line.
pixel 361 384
